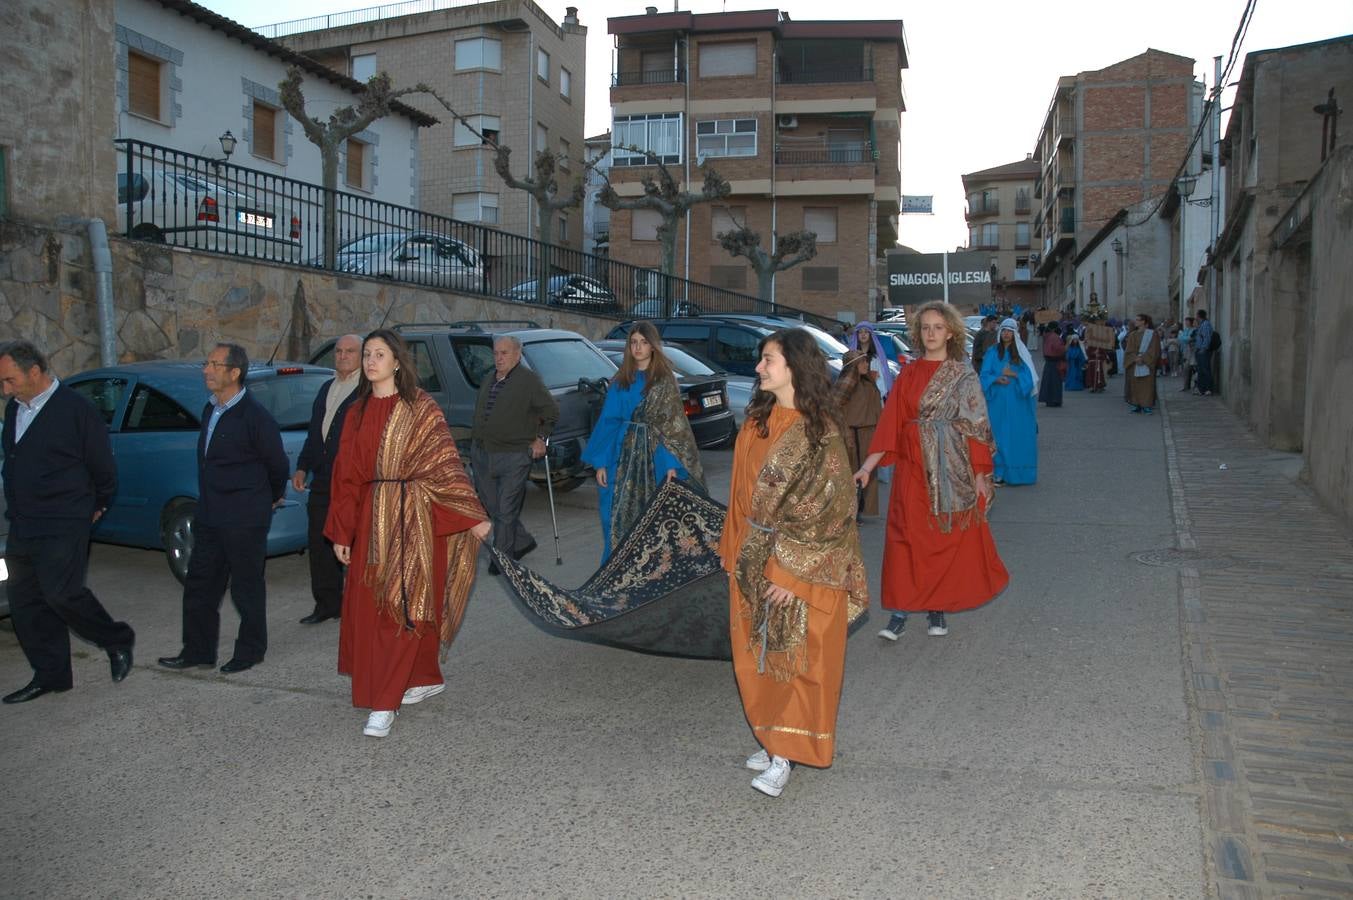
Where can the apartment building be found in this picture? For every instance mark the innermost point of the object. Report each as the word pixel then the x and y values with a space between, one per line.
pixel 506 66
pixel 1000 218
pixel 801 117
pixel 1112 137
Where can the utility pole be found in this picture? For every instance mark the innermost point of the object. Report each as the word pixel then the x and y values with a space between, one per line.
pixel 1216 188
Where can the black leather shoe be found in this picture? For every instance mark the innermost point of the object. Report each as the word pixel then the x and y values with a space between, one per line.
pixel 185 662
pixel 493 568
pixel 31 691
pixel 316 617
pixel 525 550
pixel 236 665
pixel 120 661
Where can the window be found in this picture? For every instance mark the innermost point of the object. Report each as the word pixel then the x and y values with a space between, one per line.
pixel 364 67
pixel 696 336
pixel 1092 282
pixel 1104 275
pixel 475 358
pixel 726 137
pixel 4 183
pixel 820 278
pixel 1021 201
pixel 1021 235
pixel 973 234
pixel 488 126
pixel 658 133
pixel 563 228
pixel 736 345
pixel 658 66
pixel 564 149
pixel 264 132
pixel 730 278
pixel 542 65
pixel 355 172
pixel 991 235
pixel 104 393
pixel 422 364
pixel 475 207
pixel 565 83
pixel 821 220
pixel 143 86
pixel 644 224
pixel 479 53
pixel 560 363
pixel 726 218
pixel 152 411
pixel 727 59
pixel 542 138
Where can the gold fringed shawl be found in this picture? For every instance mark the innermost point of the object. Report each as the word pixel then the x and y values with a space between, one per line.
pixel 803 514
pixel 660 418
pixel 417 466
pixel 951 410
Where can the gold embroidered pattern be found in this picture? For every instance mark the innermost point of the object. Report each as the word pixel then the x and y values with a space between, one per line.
pixel 802 732
pixel 951 411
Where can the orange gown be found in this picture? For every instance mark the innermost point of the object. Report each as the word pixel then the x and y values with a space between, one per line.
pixel 925 569
pixel 382 657
pixel 795 719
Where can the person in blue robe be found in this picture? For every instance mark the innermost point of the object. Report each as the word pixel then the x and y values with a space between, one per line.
pixel 1075 364
pixel 1010 383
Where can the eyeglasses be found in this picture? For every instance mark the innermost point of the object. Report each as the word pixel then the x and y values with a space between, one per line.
pixel 213 364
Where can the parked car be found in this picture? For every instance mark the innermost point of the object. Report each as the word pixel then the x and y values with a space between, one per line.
pixel 655 309
pixel 739 387
pixel 730 345
pixel 421 257
pixel 192 209
pixel 454 359
pixel 576 292
pixel 831 346
pixel 703 392
pixel 153 413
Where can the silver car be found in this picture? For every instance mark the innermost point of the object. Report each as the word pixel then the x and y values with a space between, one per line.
pixel 420 257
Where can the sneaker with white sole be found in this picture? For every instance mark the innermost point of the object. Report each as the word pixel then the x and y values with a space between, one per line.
pixel 759 761
pixel 772 781
pixel 379 722
pixel 895 627
pixel 937 626
pixel 421 693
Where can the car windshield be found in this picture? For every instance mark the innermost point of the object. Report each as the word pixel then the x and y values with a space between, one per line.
pixel 684 363
pixel 372 243
pixel 288 397
pixel 561 363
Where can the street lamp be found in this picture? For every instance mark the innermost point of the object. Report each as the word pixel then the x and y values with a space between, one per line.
pixel 1117 246
pixel 228 143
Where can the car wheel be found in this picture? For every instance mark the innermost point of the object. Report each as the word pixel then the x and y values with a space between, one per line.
pixel 177 535
pixel 148 232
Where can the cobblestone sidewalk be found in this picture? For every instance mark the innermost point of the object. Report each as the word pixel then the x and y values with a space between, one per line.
pixel 1266 578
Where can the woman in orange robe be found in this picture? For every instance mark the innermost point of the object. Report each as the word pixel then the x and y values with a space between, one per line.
pixel 938 553
pixel 792 553
pixel 403 518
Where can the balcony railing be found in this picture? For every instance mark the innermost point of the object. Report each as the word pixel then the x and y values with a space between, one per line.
pixel 825 74
pixel 852 154
pixel 358 16
pixel 987 207
pixel 648 76
pixel 1067 220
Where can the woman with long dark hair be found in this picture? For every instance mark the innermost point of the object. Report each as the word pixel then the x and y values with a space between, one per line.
pixel 792 554
pixel 404 519
pixel 642 437
pixel 1010 385
pixel 938 553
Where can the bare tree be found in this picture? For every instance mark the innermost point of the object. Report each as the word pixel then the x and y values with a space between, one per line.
pixel 788 250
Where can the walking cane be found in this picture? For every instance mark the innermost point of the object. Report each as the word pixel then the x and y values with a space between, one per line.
pixel 549 489
pixel 859 491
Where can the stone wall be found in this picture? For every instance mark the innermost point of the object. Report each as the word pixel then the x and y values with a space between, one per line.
pixel 173 303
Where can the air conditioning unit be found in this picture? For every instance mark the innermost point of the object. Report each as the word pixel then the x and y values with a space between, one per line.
pixel 787 121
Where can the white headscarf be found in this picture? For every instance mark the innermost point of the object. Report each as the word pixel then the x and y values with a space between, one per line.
pixel 1013 327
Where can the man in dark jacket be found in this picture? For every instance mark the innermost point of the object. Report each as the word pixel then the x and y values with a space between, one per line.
pixel 59 478
pixel 317 461
pixel 242 476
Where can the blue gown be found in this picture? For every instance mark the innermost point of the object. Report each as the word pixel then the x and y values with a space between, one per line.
pixel 608 437
pixel 1014 418
pixel 1075 368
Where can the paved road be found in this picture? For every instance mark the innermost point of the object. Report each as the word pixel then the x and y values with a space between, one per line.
pixel 1045 748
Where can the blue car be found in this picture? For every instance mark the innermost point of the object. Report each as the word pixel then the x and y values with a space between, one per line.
pixel 153 413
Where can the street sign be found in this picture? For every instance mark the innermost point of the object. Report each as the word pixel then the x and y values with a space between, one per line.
pixel 915 278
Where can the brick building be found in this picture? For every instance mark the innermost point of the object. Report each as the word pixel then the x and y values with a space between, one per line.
pixel 505 65
pixel 1111 138
pixel 1000 221
pixel 803 120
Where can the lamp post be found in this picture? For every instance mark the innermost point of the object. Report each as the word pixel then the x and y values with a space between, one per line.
pixel 228 143
pixel 1117 246
pixel 1185 186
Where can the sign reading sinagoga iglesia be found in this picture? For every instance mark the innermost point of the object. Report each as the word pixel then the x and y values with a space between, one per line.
pixel 914 278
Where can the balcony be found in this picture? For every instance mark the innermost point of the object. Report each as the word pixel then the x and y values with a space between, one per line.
pixel 1067 220
pixel 648 76
pixel 980 208
pixel 823 154
pixel 825 74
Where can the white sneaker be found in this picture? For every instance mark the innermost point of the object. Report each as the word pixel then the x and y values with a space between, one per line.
pixel 419 694
pixel 759 761
pixel 379 722
pixel 772 781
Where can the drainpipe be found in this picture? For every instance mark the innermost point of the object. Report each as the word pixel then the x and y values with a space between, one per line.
pixel 103 291
pixel 687 130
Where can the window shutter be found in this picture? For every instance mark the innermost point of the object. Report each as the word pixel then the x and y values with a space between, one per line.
pixel 738 58
pixel 143 85
pixel 644 224
pixel 820 278
pixel 822 221
pixel 356 163
pixel 730 278
pixel 265 131
pixel 726 219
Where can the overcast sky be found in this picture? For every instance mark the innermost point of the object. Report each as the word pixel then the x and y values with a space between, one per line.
pixel 981 72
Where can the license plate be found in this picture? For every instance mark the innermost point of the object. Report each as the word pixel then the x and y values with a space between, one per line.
pixel 253 219
pixel 709 401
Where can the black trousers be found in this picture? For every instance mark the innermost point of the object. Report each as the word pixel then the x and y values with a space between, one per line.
pixel 48 600
pixel 326 572
pixel 500 480
pixel 221 557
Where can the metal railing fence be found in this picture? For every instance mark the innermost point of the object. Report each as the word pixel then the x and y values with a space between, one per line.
pixel 358 16
pixel 648 76
pixel 824 74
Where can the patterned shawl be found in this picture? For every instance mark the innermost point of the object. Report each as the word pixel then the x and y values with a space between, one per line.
pixel 417 466
pixel 659 419
pixel 952 409
pixel 803 514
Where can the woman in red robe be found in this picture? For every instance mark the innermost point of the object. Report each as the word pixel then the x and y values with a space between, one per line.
pixel 403 518
pixel 938 553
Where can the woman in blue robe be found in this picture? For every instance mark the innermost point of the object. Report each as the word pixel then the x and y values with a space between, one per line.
pixel 641 439
pixel 1010 384
pixel 1075 364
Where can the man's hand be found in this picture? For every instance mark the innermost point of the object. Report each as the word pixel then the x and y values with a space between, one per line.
pixel 277 504
pixel 537 448
pixel 481 531
pixel 601 477
pixel 298 481
pixel 343 553
pixel 98 514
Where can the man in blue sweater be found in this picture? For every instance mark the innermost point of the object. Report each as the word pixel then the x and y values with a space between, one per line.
pixel 59 478
pixel 242 474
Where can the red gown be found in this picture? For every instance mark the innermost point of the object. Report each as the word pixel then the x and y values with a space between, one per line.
pixel 925 569
pixel 383 658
